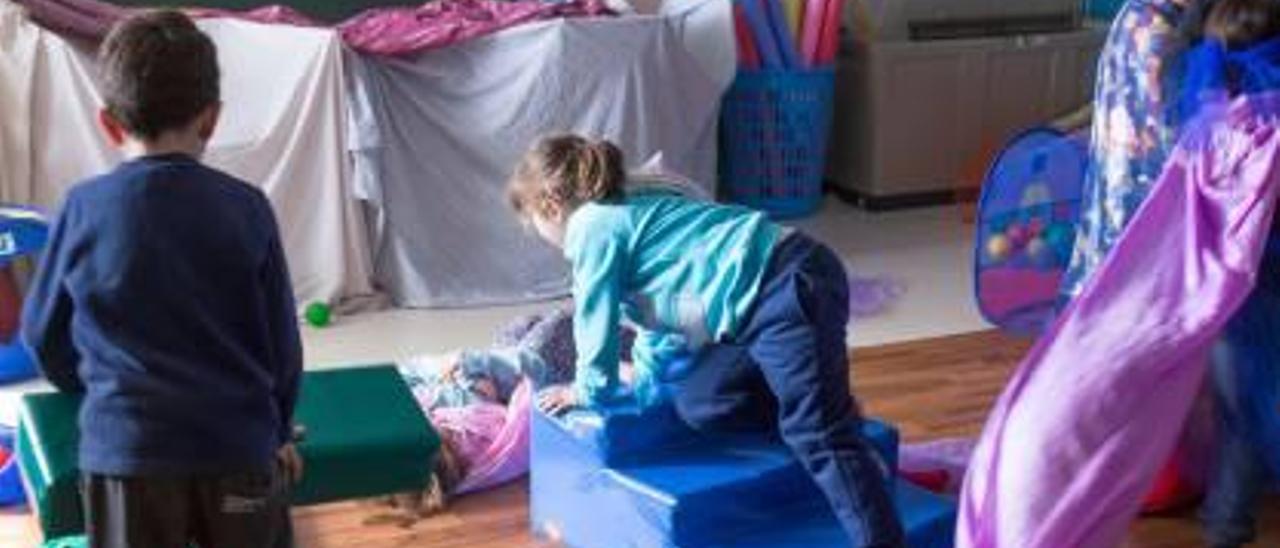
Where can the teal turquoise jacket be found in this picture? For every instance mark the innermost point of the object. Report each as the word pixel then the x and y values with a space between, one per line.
pixel 685 272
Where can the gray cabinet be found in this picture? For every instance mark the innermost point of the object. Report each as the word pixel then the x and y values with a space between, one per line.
pixel 911 116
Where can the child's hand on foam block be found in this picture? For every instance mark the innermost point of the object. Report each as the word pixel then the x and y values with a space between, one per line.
pixel 556 400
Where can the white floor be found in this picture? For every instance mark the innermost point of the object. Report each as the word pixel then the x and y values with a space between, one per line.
pixel 927 249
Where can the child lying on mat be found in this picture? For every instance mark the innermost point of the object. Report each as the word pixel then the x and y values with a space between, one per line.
pixel 470 377
pixel 478 401
pixel 465 395
pixel 536 347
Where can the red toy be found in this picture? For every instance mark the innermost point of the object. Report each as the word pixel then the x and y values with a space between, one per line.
pixel 10 304
pixel 931 480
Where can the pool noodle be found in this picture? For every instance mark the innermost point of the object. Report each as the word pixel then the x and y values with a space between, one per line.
pixel 795 19
pixel 766 45
pixel 782 35
pixel 748 55
pixel 813 18
pixel 830 44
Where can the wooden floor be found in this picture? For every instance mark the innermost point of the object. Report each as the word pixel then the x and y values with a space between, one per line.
pixel 929 389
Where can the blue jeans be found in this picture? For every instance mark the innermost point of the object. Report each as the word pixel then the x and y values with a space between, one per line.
pixel 1244 376
pixel 789 366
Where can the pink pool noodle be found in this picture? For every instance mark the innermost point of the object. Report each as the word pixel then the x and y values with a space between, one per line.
pixel 813 18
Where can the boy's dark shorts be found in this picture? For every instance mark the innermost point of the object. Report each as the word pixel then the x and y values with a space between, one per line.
pixel 240 510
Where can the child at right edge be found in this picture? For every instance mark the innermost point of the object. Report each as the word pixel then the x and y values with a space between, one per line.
pixel 1241 53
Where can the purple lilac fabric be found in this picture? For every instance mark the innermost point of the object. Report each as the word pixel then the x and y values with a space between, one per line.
pixel 1078 435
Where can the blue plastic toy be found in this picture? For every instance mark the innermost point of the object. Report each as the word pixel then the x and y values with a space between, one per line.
pixel 11 491
pixel 1026 228
pixel 23 231
pixel 16 363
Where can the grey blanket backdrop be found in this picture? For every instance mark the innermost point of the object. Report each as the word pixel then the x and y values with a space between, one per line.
pixel 436 136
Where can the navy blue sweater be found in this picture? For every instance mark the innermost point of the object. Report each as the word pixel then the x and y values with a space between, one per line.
pixel 164 297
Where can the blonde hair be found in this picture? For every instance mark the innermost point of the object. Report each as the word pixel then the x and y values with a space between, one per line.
pixel 563 172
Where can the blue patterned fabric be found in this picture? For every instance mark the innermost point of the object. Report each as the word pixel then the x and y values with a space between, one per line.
pixel 1133 126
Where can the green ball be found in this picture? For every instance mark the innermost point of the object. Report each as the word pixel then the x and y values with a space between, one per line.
pixel 318 314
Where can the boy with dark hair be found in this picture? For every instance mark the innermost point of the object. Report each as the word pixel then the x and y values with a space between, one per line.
pixel 165 299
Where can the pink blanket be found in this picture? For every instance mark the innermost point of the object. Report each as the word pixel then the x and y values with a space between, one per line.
pixel 1076 439
pixel 383 31
pixel 393 31
pixel 506 457
pixel 490 439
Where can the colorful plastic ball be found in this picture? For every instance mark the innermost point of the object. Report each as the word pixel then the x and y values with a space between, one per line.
pixel 1017 235
pixel 999 247
pixel 1050 233
pixel 318 314
pixel 1035 226
pixel 1061 237
pixel 1059 231
pixel 1041 253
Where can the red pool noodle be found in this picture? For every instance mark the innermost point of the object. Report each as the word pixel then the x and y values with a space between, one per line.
pixel 830 43
pixel 748 56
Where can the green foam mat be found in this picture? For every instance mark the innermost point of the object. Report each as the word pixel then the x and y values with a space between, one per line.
pixel 365 436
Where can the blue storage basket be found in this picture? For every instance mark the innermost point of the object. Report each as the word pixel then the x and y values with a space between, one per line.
pixel 774 127
pixel 11 491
